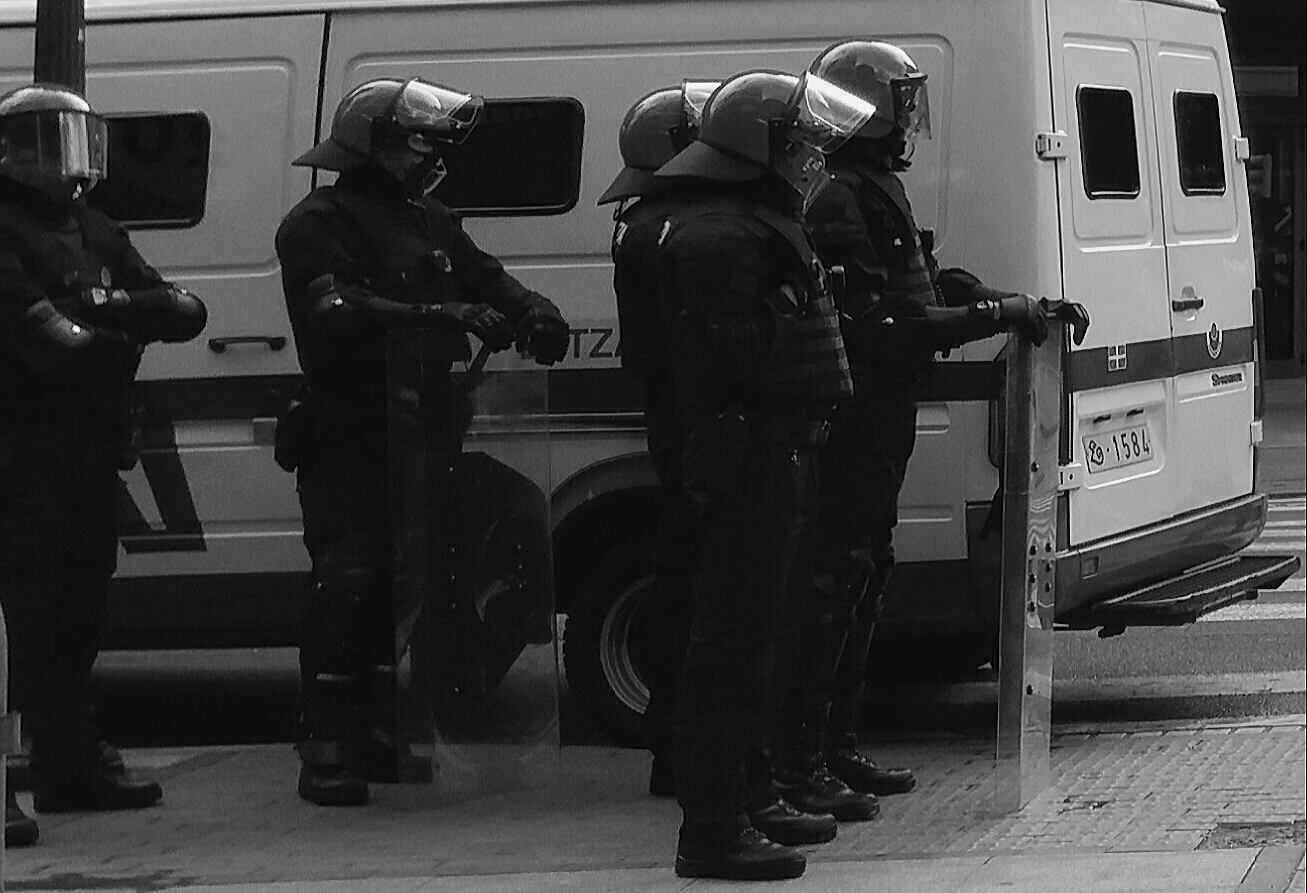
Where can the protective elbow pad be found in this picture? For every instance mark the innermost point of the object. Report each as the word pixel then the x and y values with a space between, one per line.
pixel 52 338
pixel 329 312
pixel 188 318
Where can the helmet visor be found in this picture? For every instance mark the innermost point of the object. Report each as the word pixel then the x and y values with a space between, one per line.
pixel 694 96
pixel 71 145
pixel 436 112
pixel 911 105
pixel 828 115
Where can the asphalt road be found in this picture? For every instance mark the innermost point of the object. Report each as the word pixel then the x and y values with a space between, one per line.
pixel 1246 660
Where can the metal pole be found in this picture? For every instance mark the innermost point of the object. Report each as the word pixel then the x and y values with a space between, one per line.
pixel 1025 669
pixel 60 56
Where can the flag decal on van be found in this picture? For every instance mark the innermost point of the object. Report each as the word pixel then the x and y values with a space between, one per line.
pixel 1214 341
pixel 1115 357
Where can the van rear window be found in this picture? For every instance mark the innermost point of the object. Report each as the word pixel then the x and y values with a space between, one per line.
pixel 522 159
pixel 1199 143
pixel 158 171
pixel 1109 152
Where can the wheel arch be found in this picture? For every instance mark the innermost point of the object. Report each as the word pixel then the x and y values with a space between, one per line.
pixel 596 508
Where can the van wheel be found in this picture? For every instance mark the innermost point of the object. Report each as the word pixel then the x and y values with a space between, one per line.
pixel 603 641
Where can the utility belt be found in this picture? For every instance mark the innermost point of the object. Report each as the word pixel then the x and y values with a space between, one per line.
pixel 786 430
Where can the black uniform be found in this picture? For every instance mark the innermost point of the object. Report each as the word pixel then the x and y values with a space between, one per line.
pixel 67 362
pixel 647 356
pixel 759 365
pixel 893 319
pixel 359 258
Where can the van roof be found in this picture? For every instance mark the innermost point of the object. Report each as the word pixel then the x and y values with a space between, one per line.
pixel 24 11
pixel 18 12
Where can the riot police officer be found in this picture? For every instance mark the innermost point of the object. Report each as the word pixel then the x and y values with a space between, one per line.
pixel 77 306
pixel 656 127
pixel 759 365
pixel 372 252
pixel 896 311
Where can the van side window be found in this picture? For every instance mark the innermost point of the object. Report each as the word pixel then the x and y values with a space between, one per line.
pixel 522 159
pixel 1198 140
pixel 158 171
pixel 1109 153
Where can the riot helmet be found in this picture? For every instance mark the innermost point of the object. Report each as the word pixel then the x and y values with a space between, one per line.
pixel 398 125
pixel 657 127
pixel 769 122
pixel 887 78
pixel 50 140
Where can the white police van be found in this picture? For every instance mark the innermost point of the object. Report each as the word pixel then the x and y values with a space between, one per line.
pixel 1088 150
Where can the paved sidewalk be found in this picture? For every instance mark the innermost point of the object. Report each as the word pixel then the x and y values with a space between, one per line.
pixel 1168 807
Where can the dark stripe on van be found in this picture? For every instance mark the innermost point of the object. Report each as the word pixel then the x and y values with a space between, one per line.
pixel 604 391
pixel 1149 360
pixel 232 397
pixel 608 391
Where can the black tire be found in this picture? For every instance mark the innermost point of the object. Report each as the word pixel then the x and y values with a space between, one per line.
pixel 602 648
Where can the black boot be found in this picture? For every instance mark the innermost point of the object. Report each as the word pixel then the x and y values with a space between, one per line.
pixel 749 856
pixel 782 823
pixel 328 777
pixel 861 774
pixel 334 674
pixel 817 791
pixel 803 779
pixel 86 779
pixel 20 828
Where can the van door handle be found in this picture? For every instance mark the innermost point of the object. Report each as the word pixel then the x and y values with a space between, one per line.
pixel 1188 300
pixel 220 345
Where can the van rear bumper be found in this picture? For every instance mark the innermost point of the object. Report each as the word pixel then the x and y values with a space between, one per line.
pixel 1185 598
pixel 1097 572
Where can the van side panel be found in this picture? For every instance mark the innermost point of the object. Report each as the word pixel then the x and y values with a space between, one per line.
pixel 1209 259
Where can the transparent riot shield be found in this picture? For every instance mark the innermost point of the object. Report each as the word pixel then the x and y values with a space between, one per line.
pixel 1025 668
pixel 476 680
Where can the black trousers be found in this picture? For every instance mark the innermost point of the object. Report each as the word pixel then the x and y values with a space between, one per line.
pixel 58 550
pixel 861 474
pixel 666 619
pixel 751 526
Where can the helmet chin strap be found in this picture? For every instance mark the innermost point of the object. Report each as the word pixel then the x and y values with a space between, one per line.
pixel 416 172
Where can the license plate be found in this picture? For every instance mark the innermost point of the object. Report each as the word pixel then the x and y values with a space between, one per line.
pixel 1115 449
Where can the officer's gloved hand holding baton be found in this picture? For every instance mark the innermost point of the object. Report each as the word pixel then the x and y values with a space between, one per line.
pixel 543 335
pixel 488 324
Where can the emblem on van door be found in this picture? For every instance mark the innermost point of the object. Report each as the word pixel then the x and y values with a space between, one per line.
pixel 1115 357
pixel 1215 339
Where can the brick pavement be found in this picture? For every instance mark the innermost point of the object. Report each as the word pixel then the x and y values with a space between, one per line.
pixel 230 816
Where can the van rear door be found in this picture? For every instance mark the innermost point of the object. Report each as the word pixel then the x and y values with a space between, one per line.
pixel 1114 262
pixel 1209 255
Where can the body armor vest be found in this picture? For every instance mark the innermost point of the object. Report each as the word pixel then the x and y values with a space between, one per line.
pixel 399 242
pixel 810 366
pixel 65 258
pixel 909 282
pixel 635 283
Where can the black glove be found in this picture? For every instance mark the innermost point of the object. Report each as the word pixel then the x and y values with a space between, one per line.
pixel 1073 314
pixel 482 320
pixel 1026 315
pixel 543 335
